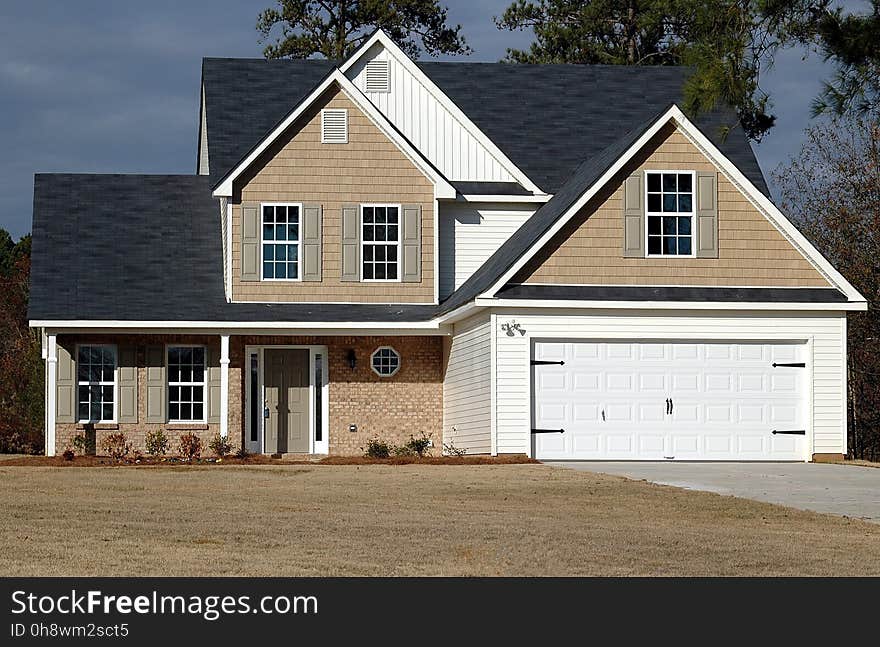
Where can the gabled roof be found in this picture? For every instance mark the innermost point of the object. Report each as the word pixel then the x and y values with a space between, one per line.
pixel 147 248
pixel 589 178
pixel 442 187
pixel 547 119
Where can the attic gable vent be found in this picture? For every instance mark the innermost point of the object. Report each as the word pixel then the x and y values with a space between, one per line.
pixel 378 76
pixel 334 126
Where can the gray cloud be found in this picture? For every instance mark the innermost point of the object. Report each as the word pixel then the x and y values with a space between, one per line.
pixel 107 86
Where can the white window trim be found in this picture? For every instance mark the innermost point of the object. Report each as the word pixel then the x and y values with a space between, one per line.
pixel 299 207
pixel 374 243
pixel 88 383
pixel 692 214
pixel 399 361
pixel 169 384
pixel 344 112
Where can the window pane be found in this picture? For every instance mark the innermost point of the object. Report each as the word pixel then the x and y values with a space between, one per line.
pixel 84 410
pixel 267 252
pixel 392 233
pixel 198 355
pixel 185 411
pixel 280 252
pixel 392 253
pixel 380 215
pixel 280 215
pixel 379 253
pixel 268 232
pixel 669 182
pixel 368 270
pixel 368 253
pixel 653 182
pixel 654 224
pixel 292 270
pixel 197 411
pixel 392 215
pixel 198 394
pixel 292 232
pixel 368 233
pixel 669 205
pixel 391 271
pixel 654 202
pixel 684 182
pixel 293 252
pixel 268 272
pixel 380 271
pixel 368 214
pixel 654 246
pixel 107 411
pixel 95 410
pixel 107 394
pixel 669 226
pixel 685 203
pixel 198 374
pixel 280 271
pixel 684 245
pixel 684 225
pixel 268 213
pixel 669 246
pixel 174 411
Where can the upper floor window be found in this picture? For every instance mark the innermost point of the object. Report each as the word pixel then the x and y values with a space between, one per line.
pixel 96 383
pixel 186 383
pixel 380 242
pixel 670 213
pixel 281 239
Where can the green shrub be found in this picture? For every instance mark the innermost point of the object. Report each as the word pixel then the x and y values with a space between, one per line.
pixel 377 449
pixel 116 446
pixel 220 446
pixel 156 442
pixel 415 446
pixel 189 446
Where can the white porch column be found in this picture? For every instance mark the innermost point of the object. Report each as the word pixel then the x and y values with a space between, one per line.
pixel 51 391
pixel 224 386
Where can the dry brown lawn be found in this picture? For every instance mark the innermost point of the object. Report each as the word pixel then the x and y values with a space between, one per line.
pixel 404 520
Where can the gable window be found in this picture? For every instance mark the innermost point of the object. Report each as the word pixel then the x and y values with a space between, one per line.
pixel 670 213
pixel 186 384
pixel 380 242
pixel 281 239
pixel 96 383
pixel 385 361
pixel 378 76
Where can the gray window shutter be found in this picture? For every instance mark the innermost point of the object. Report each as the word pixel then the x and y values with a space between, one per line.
pixel 213 380
pixel 128 383
pixel 250 241
pixel 707 215
pixel 351 243
pixel 633 217
pixel 311 242
pixel 156 385
pixel 65 386
pixel 411 244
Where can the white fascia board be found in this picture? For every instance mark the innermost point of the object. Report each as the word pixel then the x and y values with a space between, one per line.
pixel 442 187
pixel 544 197
pixel 382 38
pixel 758 199
pixel 325 327
pixel 852 306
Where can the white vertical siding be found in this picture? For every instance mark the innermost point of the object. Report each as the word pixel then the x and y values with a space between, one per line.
pixel 825 335
pixel 466 386
pixel 431 128
pixel 470 233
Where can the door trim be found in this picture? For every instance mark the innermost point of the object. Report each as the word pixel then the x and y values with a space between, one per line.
pixel 315 446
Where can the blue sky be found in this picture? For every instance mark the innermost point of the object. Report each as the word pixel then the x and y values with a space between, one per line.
pixel 106 86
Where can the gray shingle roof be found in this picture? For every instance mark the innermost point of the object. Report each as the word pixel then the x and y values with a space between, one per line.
pixel 666 293
pixel 547 119
pixel 148 248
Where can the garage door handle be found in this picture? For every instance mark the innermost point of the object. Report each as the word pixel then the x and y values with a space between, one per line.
pixel 792 364
pixel 547 431
pixel 791 432
pixel 545 362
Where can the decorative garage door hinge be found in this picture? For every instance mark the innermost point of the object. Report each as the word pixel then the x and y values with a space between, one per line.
pixel 547 431
pixel 545 362
pixel 791 432
pixel 792 364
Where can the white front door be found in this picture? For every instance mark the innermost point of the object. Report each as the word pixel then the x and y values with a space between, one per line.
pixel 669 400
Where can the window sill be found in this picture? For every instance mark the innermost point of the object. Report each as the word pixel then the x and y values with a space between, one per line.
pixel 186 426
pixel 97 426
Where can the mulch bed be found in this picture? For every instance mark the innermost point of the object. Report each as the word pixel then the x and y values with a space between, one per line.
pixel 262 459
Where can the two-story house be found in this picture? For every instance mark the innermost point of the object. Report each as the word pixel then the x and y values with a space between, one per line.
pixel 548 259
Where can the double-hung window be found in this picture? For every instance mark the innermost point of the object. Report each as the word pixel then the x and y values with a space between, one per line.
pixel 281 238
pixel 96 383
pixel 186 383
pixel 380 242
pixel 670 213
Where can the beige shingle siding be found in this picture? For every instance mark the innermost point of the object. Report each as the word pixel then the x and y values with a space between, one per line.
pixel 752 252
pixel 369 169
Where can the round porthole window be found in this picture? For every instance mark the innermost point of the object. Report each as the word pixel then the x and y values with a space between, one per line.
pixel 385 361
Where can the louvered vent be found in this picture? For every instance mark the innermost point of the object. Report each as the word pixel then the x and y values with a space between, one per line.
pixel 378 76
pixel 334 126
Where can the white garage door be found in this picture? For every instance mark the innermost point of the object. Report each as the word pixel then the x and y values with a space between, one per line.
pixel 656 401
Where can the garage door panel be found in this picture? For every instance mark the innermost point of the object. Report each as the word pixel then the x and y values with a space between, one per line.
pixel 611 400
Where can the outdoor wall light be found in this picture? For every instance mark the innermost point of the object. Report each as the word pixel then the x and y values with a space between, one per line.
pixel 352 359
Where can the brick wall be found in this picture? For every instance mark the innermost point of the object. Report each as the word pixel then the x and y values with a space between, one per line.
pixel 393 408
pixel 409 402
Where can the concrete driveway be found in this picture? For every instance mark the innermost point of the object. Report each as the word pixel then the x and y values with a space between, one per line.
pixel 844 490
